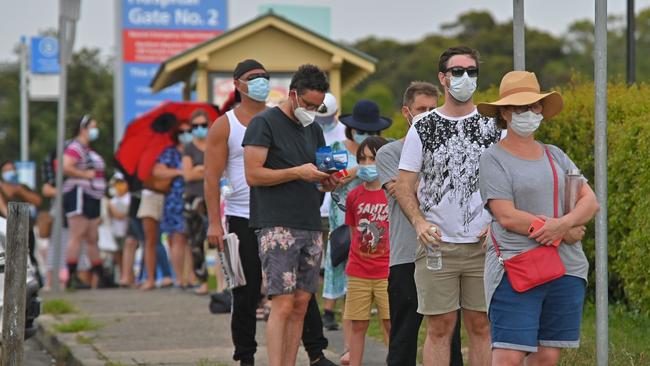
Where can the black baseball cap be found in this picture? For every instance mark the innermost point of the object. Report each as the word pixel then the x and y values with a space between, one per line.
pixel 242 68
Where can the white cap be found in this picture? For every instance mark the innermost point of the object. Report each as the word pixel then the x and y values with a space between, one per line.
pixel 329 106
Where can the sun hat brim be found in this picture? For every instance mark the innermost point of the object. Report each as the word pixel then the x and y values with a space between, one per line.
pixel 552 103
pixel 380 124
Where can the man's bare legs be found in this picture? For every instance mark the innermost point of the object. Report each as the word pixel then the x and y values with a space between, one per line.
pixel 358 329
pixel 127 277
pixel 284 327
pixel 478 330
pixel 438 340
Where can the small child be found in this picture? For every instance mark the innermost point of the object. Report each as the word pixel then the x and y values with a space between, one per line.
pixel 118 210
pixel 367 268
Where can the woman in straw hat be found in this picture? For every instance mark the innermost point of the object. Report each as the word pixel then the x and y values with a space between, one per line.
pixel 518 187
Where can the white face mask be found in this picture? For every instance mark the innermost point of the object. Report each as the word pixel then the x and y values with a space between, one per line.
pixel 524 124
pixel 304 116
pixel 462 87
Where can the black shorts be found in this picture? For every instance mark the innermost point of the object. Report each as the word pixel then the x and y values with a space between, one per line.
pixel 76 202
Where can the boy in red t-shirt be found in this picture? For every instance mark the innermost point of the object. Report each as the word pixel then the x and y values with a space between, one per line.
pixel 367 269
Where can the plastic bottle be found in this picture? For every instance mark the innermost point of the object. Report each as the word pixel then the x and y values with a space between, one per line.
pixel 225 187
pixel 434 258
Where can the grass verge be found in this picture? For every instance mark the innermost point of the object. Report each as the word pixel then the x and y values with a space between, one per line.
pixel 78 325
pixel 58 307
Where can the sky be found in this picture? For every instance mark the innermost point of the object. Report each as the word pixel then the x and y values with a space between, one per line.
pixel 404 20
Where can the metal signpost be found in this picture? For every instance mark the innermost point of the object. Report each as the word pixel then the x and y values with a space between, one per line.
pixel 68 16
pixel 600 130
pixel 24 106
pixel 518 35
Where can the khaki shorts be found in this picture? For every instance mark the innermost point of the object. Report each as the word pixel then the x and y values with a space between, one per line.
pixel 151 206
pixel 361 293
pixel 458 284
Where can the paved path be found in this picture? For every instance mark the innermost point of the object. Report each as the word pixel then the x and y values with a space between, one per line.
pixel 162 327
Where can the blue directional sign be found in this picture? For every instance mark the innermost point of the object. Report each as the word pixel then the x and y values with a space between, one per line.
pixel 44 53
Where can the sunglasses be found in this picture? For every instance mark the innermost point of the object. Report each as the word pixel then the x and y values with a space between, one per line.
pixel 198 125
pixel 535 108
pixel 257 76
pixel 459 71
pixel 310 106
pixel 185 130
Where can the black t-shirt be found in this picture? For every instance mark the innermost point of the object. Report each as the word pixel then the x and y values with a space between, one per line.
pixel 294 204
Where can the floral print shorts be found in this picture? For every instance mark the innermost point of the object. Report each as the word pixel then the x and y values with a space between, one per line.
pixel 290 259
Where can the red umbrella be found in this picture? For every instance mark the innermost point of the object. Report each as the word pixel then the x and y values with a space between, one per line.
pixel 149 134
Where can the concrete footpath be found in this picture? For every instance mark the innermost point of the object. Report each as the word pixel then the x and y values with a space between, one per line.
pixel 161 327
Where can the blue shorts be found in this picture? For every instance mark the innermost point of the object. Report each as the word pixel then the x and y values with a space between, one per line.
pixel 548 315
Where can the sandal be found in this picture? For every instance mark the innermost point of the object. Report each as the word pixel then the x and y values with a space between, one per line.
pixel 345 357
pixel 263 312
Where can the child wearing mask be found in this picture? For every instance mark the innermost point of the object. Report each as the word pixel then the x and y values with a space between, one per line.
pixel 367 269
pixel 118 210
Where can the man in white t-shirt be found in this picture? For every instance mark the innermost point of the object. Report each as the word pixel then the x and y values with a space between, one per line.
pixel 437 189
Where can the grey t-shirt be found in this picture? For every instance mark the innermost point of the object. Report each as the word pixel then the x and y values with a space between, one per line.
pixel 403 240
pixel 194 188
pixel 529 185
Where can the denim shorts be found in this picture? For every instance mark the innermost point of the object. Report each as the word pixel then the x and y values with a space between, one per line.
pixel 548 315
pixel 290 259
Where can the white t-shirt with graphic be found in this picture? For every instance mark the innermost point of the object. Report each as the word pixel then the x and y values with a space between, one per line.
pixel 446 152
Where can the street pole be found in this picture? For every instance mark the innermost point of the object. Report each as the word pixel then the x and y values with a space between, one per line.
pixel 631 46
pixel 518 35
pixel 68 16
pixel 118 80
pixel 600 129
pixel 24 109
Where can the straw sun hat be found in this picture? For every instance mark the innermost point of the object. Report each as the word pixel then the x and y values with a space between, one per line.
pixel 521 88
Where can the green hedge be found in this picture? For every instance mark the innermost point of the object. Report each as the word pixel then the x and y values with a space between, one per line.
pixel 628 172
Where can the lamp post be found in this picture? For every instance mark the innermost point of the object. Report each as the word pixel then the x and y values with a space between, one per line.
pixel 68 17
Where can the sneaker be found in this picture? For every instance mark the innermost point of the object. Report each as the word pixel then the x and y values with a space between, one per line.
pixel 322 361
pixel 75 283
pixel 329 320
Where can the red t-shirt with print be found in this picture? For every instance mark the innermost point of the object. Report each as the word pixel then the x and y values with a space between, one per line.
pixel 367 215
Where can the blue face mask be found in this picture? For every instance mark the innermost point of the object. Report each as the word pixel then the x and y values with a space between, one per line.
pixel 93 134
pixel 367 173
pixel 10 176
pixel 258 89
pixel 200 132
pixel 359 137
pixel 185 138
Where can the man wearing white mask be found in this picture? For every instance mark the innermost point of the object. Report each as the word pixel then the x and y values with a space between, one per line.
pixel 437 189
pixel 279 160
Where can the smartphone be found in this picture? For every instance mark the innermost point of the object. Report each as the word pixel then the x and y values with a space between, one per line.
pixel 538 224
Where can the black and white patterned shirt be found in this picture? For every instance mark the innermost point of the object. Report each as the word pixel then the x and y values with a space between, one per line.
pixel 446 152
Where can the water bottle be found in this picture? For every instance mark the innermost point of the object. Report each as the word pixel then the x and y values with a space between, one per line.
pixel 572 185
pixel 225 187
pixel 434 258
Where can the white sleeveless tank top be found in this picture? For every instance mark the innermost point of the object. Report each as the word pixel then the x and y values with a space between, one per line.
pixel 238 202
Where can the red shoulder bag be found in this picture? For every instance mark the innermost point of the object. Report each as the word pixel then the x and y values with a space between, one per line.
pixel 536 266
